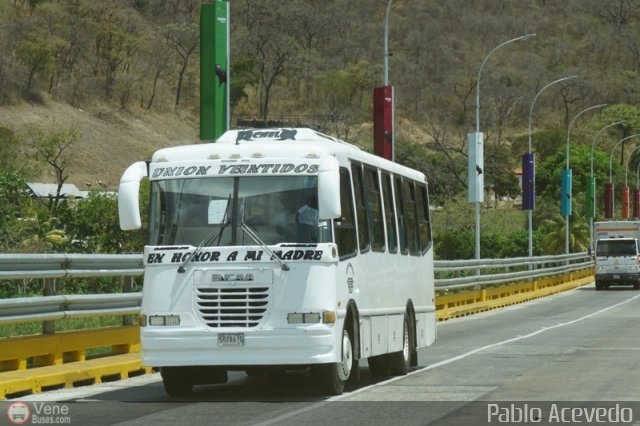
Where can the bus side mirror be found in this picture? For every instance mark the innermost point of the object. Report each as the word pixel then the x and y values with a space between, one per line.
pixel 129 195
pixel 329 189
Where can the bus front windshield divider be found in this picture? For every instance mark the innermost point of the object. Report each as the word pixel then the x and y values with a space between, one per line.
pixel 217 233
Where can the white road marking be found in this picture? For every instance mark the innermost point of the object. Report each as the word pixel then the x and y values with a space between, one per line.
pixel 493 345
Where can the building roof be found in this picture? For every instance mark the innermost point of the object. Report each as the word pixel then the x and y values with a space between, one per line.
pixel 46 190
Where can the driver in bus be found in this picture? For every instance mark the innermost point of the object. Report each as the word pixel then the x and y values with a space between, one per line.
pixel 295 222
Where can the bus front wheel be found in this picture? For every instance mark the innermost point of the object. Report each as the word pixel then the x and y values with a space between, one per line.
pixel 332 377
pixel 175 381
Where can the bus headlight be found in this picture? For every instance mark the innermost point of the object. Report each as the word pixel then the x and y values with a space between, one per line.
pixel 303 318
pixel 167 320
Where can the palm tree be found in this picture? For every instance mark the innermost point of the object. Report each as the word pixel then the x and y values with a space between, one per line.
pixel 553 240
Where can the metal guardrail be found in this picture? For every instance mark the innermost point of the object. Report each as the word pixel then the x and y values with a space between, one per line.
pixel 450 274
pixel 20 266
pixel 47 308
pixel 55 307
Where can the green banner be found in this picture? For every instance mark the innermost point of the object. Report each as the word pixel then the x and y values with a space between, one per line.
pixel 214 70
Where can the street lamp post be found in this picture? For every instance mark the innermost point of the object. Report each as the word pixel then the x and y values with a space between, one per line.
pixel 529 153
pixel 566 181
pixel 612 151
pixel 611 164
pixel 626 168
pixel 636 194
pixel 478 140
pixel 626 184
pixel 591 185
pixel 386 43
pixel 384 105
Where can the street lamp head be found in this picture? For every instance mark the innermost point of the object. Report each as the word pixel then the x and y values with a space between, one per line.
pixel 522 37
pixel 595 137
pixel 571 77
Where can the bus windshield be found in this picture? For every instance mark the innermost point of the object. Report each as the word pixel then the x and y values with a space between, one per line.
pixel 278 209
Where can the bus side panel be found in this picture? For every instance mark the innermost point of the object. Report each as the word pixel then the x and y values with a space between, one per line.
pixel 379 335
pixel 426 329
pixel 432 331
pixel 365 337
pixel 395 329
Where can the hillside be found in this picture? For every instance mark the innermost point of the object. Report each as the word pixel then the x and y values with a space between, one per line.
pixel 110 139
pixel 133 69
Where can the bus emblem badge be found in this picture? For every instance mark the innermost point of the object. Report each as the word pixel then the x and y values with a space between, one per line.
pixel 232 277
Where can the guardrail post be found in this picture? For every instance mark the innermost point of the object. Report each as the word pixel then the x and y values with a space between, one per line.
pixel 49 327
pixel 127 287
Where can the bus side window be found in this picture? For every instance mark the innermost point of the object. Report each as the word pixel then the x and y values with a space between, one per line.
pixel 409 200
pixel 374 204
pixel 345 228
pixel 389 213
pixel 424 220
pixel 402 221
pixel 361 207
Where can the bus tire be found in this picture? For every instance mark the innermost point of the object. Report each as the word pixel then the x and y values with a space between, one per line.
pixel 378 365
pixel 176 381
pixel 333 376
pixel 400 362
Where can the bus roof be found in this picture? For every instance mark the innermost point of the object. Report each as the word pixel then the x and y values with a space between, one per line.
pixel 292 143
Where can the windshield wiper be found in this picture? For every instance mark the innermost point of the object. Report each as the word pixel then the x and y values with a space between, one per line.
pixel 261 243
pixel 212 236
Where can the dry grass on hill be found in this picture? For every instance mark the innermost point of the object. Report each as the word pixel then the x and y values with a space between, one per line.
pixel 110 139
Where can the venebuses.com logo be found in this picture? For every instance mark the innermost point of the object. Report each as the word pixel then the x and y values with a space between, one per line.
pixel 18 413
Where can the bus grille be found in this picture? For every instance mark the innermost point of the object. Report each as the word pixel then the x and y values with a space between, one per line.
pixel 232 306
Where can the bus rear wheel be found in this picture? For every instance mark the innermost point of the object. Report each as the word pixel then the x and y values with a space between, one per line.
pixel 378 365
pixel 332 377
pixel 400 362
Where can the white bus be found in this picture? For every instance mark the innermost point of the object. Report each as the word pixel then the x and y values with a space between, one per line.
pixel 279 249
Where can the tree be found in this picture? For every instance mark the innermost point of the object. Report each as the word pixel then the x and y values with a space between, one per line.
pixel 116 41
pixel 243 77
pixel 500 172
pixel 92 225
pixel 184 39
pixel 156 63
pixel 14 201
pixel 621 15
pixel 36 53
pixel 269 43
pixel 631 125
pixel 435 165
pixel 548 171
pixel 54 149
pixel 341 92
pixel 553 241
pixel 543 143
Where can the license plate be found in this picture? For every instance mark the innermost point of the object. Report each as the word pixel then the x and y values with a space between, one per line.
pixel 616 277
pixel 231 339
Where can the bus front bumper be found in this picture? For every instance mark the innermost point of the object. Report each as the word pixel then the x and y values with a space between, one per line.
pixel 162 347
